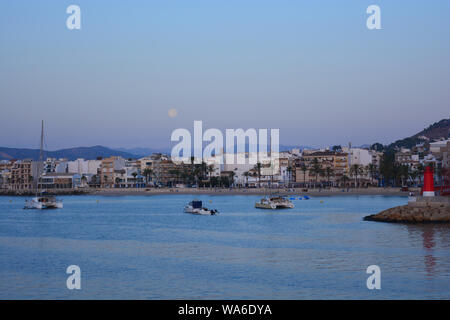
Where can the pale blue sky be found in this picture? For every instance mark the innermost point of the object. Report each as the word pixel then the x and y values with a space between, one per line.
pixel 310 68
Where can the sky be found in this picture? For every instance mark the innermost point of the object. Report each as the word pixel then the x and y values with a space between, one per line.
pixel 309 68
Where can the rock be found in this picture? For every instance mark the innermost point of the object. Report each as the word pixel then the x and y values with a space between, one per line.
pixel 414 213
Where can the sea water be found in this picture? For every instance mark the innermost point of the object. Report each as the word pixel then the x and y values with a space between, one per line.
pixel 146 247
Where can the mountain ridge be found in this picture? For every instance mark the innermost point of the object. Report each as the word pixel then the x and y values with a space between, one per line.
pixel 435 131
pixel 88 153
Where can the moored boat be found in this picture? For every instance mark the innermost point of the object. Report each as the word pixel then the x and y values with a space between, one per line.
pixel 196 207
pixel 44 202
pixel 274 203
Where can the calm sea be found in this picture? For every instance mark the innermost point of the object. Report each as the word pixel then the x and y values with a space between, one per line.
pixel 145 247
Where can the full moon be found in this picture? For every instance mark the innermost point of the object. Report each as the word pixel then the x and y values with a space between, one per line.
pixel 173 113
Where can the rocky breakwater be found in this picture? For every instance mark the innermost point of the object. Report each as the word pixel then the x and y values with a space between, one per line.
pixel 418 210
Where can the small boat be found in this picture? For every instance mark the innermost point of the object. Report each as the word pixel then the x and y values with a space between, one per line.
pixel 274 203
pixel 196 207
pixel 44 202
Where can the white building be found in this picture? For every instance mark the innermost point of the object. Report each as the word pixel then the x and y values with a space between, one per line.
pixel 83 167
pixel 435 147
pixel 359 156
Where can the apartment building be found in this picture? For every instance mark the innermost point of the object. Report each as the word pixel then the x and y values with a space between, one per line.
pixel 22 175
pixel 338 162
pixel 107 170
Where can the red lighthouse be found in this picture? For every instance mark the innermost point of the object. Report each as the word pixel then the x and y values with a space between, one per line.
pixel 428 182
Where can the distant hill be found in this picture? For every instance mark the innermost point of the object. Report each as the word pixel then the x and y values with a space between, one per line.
pixel 89 153
pixel 143 151
pixel 435 131
pixel 288 148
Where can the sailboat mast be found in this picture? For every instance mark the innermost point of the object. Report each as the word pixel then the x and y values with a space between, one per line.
pixel 271 163
pixel 41 150
pixel 41 158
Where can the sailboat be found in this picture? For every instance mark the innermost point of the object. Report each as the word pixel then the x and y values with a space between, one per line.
pixel 42 200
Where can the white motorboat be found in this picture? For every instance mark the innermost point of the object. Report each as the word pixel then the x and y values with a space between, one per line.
pixel 44 202
pixel 196 207
pixel 274 203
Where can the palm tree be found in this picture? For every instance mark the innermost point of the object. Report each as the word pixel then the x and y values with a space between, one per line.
pixel 197 173
pixel 210 170
pixel 304 169
pixel 185 175
pixel 356 170
pixel 372 169
pixel 83 180
pixel 204 169
pixel 289 171
pixel 344 179
pixel 134 174
pixel 404 173
pixel 413 174
pixel 396 172
pixel 420 171
pixel 232 174
pixel 147 173
pixel 258 170
pixel 246 175
pixel 316 168
pixel 329 172
pixel 176 173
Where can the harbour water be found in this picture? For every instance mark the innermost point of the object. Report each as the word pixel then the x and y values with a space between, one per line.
pixel 145 247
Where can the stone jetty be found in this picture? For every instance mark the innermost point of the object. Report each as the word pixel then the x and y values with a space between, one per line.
pixel 418 210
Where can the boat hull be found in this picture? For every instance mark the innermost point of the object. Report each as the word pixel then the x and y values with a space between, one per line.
pixel 274 203
pixel 40 205
pixel 199 211
pixel 265 205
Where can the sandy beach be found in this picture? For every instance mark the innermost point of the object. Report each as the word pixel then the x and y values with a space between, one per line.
pixel 220 191
pixel 261 191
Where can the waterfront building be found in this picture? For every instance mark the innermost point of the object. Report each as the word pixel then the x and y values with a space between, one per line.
pixel 407 158
pixel 130 176
pixel 165 172
pixel 107 168
pixel 331 167
pixel 84 167
pixel 440 151
pixel 359 156
pixel 22 175
pixel 54 180
pixel 5 173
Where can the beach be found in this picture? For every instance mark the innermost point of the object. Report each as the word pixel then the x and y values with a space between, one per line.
pixel 220 191
pixel 257 191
